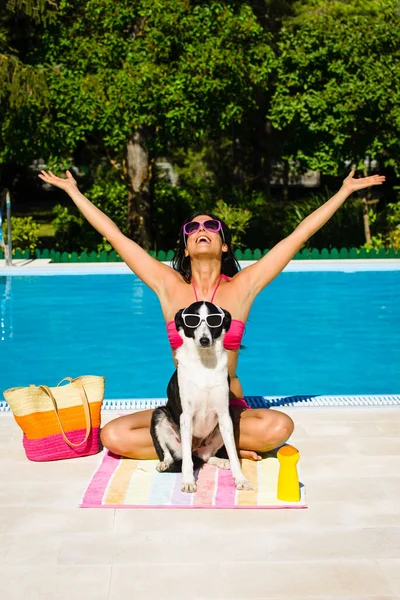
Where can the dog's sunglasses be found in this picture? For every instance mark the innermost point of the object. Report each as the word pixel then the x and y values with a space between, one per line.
pixel 212 225
pixel 193 321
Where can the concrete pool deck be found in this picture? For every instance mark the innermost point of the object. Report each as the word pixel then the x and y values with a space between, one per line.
pixel 345 545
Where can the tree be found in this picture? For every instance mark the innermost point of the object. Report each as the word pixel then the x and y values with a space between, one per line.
pixel 137 78
pixel 23 88
pixel 338 85
pixel 338 88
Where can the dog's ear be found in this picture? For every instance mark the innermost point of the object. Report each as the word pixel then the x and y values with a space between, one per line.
pixel 227 320
pixel 178 319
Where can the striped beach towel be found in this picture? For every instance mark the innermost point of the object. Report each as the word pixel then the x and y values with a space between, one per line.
pixel 127 483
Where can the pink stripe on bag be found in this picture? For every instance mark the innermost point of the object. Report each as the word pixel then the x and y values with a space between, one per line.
pixel 54 447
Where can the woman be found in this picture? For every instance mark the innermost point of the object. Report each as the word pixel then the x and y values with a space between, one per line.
pixel 205 257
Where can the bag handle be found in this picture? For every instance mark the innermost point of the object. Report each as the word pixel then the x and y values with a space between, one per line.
pixel 85 404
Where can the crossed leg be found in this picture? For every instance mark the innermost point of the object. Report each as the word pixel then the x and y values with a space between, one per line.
pixel 256 431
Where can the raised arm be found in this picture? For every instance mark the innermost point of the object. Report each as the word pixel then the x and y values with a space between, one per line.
pixel 152 272
pixel 257 276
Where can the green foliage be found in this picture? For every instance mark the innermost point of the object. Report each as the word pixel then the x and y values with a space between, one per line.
pixel 19 83
pixel 192 167
pixel 67 225
pixel 393 218
pixel 110 193
pixel 39 10
pixel 338 85
pixel 73 233
pixel 172 204
pixel 343 230
pixel 273 220
pixel 24 232
pixel 170 69
pixel 385 227
pixel 377 243
pixel 342 8
pixel 198 79
pixel 23 88
pixel 237 219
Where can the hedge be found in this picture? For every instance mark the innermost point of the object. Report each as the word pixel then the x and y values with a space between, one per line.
pixel 162 255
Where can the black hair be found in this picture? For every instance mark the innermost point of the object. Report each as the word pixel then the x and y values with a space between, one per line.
pixel 181 263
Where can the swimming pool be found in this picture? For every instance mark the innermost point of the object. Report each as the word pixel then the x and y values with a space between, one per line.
pixel 308 333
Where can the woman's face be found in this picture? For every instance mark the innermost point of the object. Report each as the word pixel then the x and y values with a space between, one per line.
pixel 204 242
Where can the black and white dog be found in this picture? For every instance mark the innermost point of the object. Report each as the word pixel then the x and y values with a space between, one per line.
pixel 195 423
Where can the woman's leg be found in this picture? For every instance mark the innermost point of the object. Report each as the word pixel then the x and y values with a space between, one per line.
pixel 259 430
pixel 130 436
pixel 256 430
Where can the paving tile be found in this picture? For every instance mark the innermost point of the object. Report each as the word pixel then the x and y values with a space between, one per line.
pixel 12 496
pixel 195 581
pixel 321 468
pixel 24 470
pixel 350 429
pixel 192 545
pixel 300 580
pixel 42 494
pixel 40 521
pixel 391 569
pixel 29 550
pixel 345 414
pixel 4 546
pixel 207 521
pixel 359 446
pixel 389 428
pixel 320 515
pixel 63 583
pixel 349 490
pixel 355 513
pixel 92 549
pixel 346 545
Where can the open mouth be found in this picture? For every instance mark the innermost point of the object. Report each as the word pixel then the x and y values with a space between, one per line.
pixel 203 239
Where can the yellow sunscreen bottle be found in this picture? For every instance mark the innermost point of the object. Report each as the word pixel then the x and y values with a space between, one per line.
pixel 288 479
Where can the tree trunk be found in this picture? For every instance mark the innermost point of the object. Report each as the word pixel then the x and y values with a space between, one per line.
pixel 261 161
pixel 365 203
pixel 367 229
pixel 139 170
pixel 267 159
pixel 285 188
pixel 237 161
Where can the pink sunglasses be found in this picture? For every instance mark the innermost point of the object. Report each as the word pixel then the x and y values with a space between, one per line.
pixel 212 225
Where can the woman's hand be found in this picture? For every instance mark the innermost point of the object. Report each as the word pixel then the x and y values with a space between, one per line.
pixel 350 184
pixel 263 271
pixel 64 184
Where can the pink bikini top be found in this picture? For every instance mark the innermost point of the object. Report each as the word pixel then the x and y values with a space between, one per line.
pixel 232 338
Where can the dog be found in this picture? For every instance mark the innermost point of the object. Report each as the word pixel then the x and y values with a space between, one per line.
pixel 195 423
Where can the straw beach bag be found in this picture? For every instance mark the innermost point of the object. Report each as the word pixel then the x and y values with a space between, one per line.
pixel 59 422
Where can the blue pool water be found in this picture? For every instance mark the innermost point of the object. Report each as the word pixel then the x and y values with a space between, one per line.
pixel 308 333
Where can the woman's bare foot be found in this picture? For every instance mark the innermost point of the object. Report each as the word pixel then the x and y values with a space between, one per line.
pixel 249 454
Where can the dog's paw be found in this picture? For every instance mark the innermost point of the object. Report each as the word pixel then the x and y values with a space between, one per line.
pixel 189 486
pixel 221 463
pixel 243 484
pixel 163 466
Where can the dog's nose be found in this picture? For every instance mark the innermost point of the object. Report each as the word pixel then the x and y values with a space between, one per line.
pixel 204 341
